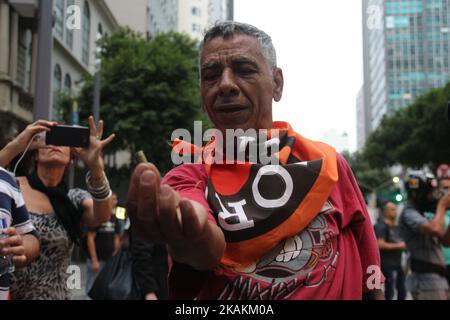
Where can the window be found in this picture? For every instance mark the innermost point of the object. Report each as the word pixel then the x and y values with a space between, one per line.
pixel 68 84
pixel 100 31
pixel 196 27
pixel 98 49
pixel 196 11
pixel 69 31
pixel 86 33
pixel 56 87
pixel 29 58
pixel 57 78
pixel 59 17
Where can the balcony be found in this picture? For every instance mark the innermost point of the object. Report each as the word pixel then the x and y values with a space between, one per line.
pixel 25 8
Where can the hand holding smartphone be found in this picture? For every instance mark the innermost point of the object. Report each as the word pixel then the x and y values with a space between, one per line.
pixel 68 136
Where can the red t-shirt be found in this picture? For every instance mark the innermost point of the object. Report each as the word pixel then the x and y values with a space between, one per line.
pixel 336 257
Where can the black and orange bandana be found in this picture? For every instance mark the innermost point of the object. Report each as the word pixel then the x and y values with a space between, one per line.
pixel 257 205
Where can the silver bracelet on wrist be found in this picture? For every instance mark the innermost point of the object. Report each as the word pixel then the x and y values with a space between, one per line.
pixel 103 198
pixel 100 193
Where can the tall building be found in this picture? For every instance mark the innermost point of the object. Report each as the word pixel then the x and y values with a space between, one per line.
pixel 361 130
pixel 230 10
pixel 220 10
pixel 132 14
pixel 406 53
pixel 191 17
pixel 73 55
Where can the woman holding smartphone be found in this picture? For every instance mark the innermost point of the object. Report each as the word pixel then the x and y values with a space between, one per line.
pixel 56 212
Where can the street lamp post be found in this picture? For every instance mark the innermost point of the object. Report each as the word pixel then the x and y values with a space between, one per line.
pixel 96 102
pixel 75 121
pixel 42 100
pixel 97 83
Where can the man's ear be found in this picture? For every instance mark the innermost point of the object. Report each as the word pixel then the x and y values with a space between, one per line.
pixel 278 81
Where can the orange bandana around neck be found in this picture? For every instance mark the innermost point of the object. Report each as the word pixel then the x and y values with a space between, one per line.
pixel 258 205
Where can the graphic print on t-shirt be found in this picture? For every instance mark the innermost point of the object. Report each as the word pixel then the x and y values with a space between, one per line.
pixel 294 263
pixel 259 198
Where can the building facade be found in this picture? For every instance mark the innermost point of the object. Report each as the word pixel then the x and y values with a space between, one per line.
pixel 361 135
pixel 132 14
pixel 77 26
pixel 191 17
pixel 406 53
pixel 220 10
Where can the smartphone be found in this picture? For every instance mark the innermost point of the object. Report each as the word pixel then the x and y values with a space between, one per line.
pixel 68 136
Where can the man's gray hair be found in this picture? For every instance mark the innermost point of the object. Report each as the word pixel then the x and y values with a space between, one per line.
pixel 227 29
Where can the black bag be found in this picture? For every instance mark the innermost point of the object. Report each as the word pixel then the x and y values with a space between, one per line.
pixel 116 281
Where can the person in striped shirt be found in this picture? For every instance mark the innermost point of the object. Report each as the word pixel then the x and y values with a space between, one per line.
pixel 22 241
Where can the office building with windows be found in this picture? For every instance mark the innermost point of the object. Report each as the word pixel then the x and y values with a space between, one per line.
pixel 190 17
pixel 361 129
pixel 406 53
pixel 74 49
pixel 134 16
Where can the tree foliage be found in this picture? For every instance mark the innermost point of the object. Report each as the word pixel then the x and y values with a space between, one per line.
pixel 148 89
pixel 415 136
pixel 367 177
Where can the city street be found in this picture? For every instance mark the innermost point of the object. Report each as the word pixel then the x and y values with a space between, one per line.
pixel 252 149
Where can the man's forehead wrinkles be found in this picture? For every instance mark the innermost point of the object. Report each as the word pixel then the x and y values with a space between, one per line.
pixel 218 58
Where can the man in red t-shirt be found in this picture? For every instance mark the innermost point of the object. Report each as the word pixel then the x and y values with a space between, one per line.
pixel 298 230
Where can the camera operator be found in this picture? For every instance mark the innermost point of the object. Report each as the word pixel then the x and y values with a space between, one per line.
pixel 425 238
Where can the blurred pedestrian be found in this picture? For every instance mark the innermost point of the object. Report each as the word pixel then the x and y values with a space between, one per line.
pixel 391 249
pixel 101 243
pixel 424 237
pixel 150 268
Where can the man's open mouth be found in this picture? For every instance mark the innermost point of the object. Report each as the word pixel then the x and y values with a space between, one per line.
pixel 230 109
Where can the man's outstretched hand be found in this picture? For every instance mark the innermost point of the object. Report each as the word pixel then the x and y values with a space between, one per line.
pixel 159 214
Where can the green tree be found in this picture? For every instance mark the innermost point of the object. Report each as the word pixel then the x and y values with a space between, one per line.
pixel 148 89
pixel 368 178
pixel 415 136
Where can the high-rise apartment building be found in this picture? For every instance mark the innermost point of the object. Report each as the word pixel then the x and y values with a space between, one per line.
pixel 406 53
pixel 191 17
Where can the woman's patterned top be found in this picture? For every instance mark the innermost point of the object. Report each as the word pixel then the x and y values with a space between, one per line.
pixel 46 277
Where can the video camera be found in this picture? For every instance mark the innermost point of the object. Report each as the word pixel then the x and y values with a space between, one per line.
pixel 422 190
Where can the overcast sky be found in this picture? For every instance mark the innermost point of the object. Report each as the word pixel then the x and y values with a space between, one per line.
pixel 319 47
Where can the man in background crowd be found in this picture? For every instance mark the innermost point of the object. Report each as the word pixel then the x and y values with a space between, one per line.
pixel 391 248
pixel 424 238
pixel 101 244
